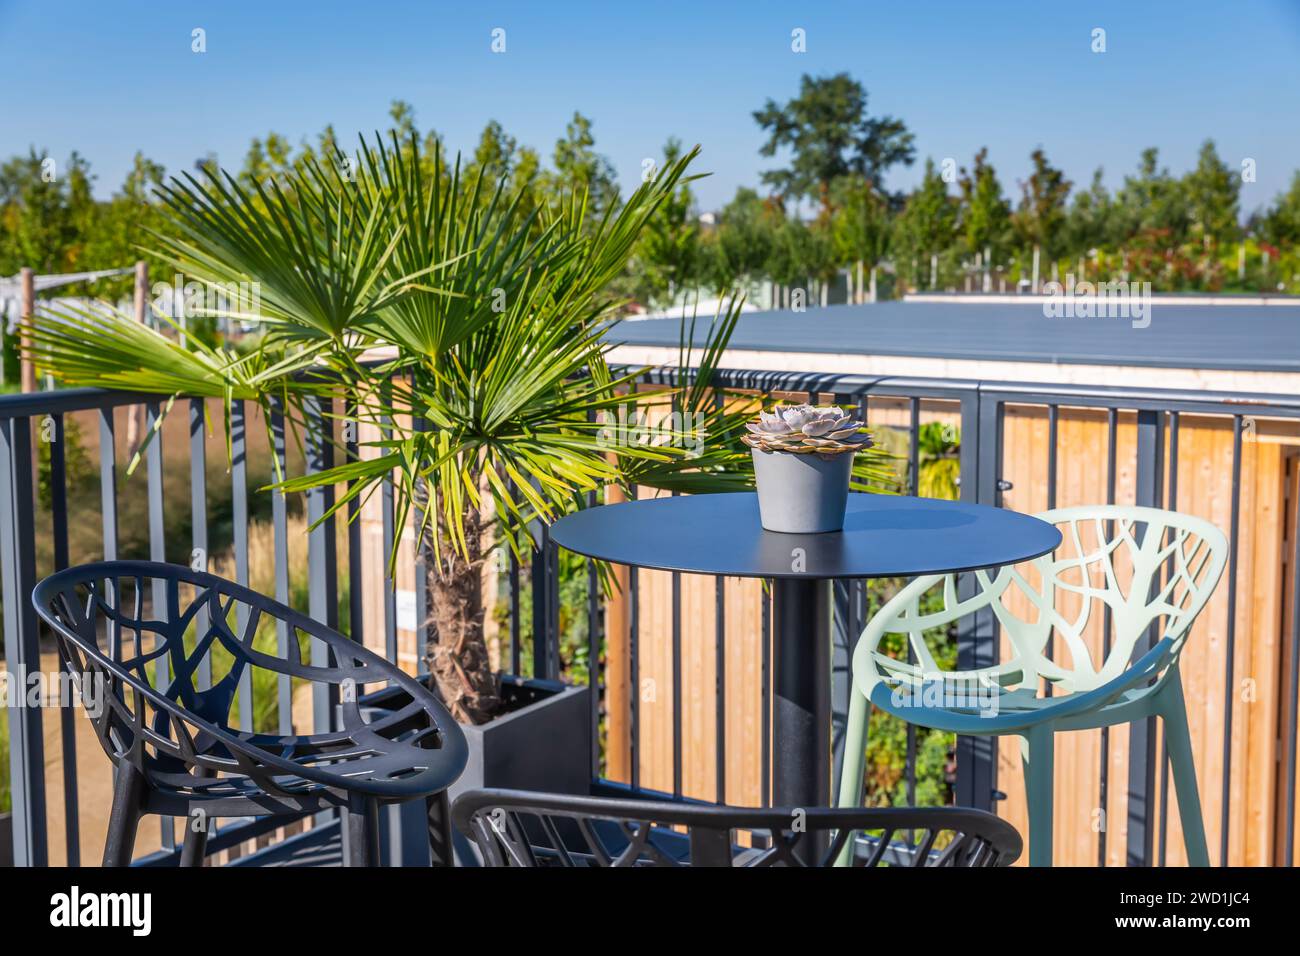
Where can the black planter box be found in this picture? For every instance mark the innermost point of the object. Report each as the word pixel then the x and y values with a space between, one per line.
pixel 541 742
pixel 6 839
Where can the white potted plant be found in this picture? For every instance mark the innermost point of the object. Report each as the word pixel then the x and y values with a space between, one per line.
pixel 803 459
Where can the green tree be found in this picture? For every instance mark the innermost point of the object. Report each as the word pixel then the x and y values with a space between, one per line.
pixel 830 134
pixel 1151 202
pixel 927 226
pixel 1152 222
pixel 1280 225
pixel 666 260
pixel 787 257
pixel 1090 223
pixel 1039 220
pixel 39 229
pixel 579 166
pixel 120 233
pixel 985 217
pixel 1213 194
pixel 737 250
pixel 861 229
pixel 494 156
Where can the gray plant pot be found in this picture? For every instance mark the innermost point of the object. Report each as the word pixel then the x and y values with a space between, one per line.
pixel 541 742
pixel 802 494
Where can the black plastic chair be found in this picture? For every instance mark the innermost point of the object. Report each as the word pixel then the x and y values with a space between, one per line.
pixel 143 629
pixel 521 828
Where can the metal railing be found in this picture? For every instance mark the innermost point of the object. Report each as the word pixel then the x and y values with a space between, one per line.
pixel 980 406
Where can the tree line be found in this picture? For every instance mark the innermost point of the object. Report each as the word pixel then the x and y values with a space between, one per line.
pixel 960 229
pixel 822 214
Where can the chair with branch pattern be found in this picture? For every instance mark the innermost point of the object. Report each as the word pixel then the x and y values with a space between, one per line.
pixel 517 828
pixel 153 638
pixel 1151 571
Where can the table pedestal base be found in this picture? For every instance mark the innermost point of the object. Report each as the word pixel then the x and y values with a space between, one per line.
pixel 801 705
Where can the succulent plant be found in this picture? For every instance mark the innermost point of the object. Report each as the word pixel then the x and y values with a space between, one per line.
pixel 808 430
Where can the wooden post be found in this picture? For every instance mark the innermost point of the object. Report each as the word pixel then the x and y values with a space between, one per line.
pixel 135 414
pixel 28 309
pixel 141 292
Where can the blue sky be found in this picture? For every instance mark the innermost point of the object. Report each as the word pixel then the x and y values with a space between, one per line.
pixel 107 79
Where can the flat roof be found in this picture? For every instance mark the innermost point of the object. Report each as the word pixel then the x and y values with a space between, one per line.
pixel 1246 337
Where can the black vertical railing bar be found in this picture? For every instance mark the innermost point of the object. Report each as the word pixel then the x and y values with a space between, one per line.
pixel 553 608
pixel 154 483
pixel 595 632
pixel 53 431
pixel 634 647
pixel 842 620
pixel 914 489
pixel 1292 728
pixel 1112 430
pixel 978 633
pixel 280 533
pixel 720 688
pixel 720 673
pixel 22 642
pixel 516 661
pixel 1230 650
pixel 108 505
pixel 1149 492
pixel 108 482
pixel 322 556
pixel 858 603
pixel 58 490
pixel 157 541
pixel 1172 499
pixel 1053 429
pixel 634 667
pixel 322 560
pixel 542 567
pixel 676 586
pixel 239 542
pixel 968 487
pixel 423 607
pixel 914 446
pixel 351 453
pixel 199 525
pixel 389 532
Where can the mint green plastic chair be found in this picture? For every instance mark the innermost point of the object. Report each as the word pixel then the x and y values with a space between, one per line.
pixel 1149 567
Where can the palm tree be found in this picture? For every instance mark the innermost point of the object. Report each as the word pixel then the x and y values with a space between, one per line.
pixel 487 324
pixel 463 317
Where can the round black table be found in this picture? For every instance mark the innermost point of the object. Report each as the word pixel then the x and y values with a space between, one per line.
pixel 883 536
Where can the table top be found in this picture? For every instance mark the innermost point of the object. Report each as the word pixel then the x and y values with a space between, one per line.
pixel 883 536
